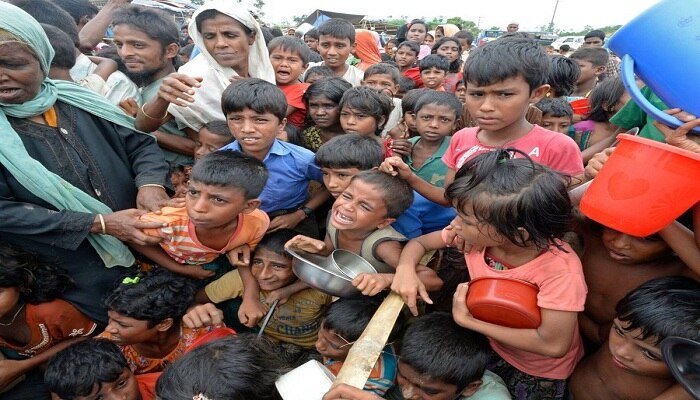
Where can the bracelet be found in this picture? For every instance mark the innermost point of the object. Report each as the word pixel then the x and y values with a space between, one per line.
pixel 149 117
pixel 102 223
pixel 152 185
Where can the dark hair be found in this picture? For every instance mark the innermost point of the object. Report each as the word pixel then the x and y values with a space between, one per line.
pixel 663 307
pixel 555 107
pixel 211 14
pixel 77 369
pixel 219 128
pixel 312 33
pixel 506 58
pixel 383 68
pixel 512 194
pixel 348 317
pixel 434 61
pixel 419 22
pixel 455 65
pixel 368 101
pixel 603 97
pixel 441 99
pixel 409 100
pixel 563 74
pixel 64 50
pixel 331 88
pixel 565 47
pixel 112 53
pixel 187 49
pixel 321 70
pixel 350 151
pixel 276 32
pixel 239 367
pixel 597 56
pixel 435 346
pixel 294 135
pixel 415 47
pixel 337 28
pixel 231 168
pixel 77 8
pixel 292 45
pixel 267 34
pixel 397 194
pixel 466 35
pixel 595 33
pixel 275 241
pixel 46 12
pixel 255 94
pixel 155 297
pixel 156 24
pixel 36 280
pixel 406 84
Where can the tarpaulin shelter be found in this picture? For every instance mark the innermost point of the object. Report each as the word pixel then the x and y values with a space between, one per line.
pixel 318 17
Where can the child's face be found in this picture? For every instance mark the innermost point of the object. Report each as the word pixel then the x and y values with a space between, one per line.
pixel 126 330
pixel 382 83
pixel 449 50
pixel 461 92
pixel 209 142
pixel 180 182
pixel 311 42
pixel 271 270
pixel 433 77
pixel 435 121
pixel 212 207
pixel 409 117
pixel 500 105
pixel 325 113
pixel 556 124
pixel 353 120
pixel 334 51
pixel 588 71
pixel 473 231
pixel 405 57
pixel 9 300
pixel 361 207
pixel 255 132
pixel 337 180
pixel 331 345
pixel 626 249
pixel 287 65
pixel 416 33
pixel 463 43
pixel 126 387
pixel 415 386
pixel 634 355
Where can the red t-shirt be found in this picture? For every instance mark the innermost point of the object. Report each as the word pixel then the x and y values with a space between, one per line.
pixel 294 94
pixel 552 149
pixel 414 73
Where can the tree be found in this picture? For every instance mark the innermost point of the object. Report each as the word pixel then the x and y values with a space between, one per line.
pixel 298 20
pixel 259 4
pixel 464 25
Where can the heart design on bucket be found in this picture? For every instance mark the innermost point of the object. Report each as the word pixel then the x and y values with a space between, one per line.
pixel 623 187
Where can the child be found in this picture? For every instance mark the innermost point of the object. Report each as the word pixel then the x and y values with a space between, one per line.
pixel 405 84
pixel 145 313
pixel 336 41
pixel 360 222
pixel 592 61
pixel 433 70
pixel 289 58
pixel 322 100
pixel 522 73
pixel 318 72
pixel 96 369
pixel 499 201
pixel 406 58
pixel 311 39
pixel 297 319
pixel 364 111
pixel 630 365
pixel 185 52
pixel 220 215
pixel 407 127
pixel 557 114
pixel 343 323
pixel 255 110
pixel 211 138
pixel 291 134
pixel 34 323
pixel 436 114
pixel 461 92
pixel 451 49
pixel 563 75
pixel 385 79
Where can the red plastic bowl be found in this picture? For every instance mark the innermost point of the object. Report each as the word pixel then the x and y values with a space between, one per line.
pixel 504 301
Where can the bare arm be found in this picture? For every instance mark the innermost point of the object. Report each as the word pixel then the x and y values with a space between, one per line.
pixel 682 241
pixel 176 88
pixel 675 392
pixel 105 66
pixel 93 32
pixel 178 144
pixel 160 257
pixel 395 166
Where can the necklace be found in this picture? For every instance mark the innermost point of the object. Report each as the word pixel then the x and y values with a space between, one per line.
pixel 13 318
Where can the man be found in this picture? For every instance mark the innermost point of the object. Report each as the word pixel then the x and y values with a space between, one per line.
pixel 147 42
pixel 513 27
pixel 596 38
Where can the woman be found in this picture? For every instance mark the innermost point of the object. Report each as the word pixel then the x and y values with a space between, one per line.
pixel 417 31
pixel 445 30
pixel 232 45
pixel 367 46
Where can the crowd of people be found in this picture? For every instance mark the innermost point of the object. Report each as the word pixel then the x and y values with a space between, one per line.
pixel 151 185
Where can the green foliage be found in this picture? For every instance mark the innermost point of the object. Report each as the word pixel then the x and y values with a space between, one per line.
pixel 609 30
pixel 299 19
pixel 259 4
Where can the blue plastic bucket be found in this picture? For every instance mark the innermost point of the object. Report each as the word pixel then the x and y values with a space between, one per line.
pixel 662 46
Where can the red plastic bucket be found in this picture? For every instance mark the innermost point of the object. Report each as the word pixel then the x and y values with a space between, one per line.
pixel 643 186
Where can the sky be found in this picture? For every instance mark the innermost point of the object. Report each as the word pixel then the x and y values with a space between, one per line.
pixel 531 14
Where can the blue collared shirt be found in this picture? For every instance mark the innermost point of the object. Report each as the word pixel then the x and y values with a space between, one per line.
pixel 290 170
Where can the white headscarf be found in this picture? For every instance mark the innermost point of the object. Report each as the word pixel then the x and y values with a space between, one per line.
pixel 207 98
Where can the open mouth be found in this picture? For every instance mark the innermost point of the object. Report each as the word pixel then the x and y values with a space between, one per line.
pixel 342 218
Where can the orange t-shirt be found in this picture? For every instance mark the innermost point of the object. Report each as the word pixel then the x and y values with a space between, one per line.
pixel 180 237
pixel 294 94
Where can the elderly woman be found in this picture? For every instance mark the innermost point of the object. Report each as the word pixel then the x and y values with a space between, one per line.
pixel 232 45
pixel 69 162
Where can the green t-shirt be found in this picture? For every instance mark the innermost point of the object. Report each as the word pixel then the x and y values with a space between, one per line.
pixel 631 115
pixel 433 169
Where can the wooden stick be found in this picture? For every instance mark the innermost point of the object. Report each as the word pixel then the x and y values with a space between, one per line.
pixel 364 353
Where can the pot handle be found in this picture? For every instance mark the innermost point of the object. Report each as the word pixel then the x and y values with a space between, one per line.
pixel 627 76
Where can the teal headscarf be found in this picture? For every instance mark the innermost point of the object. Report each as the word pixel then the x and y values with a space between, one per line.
pixel 29 172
